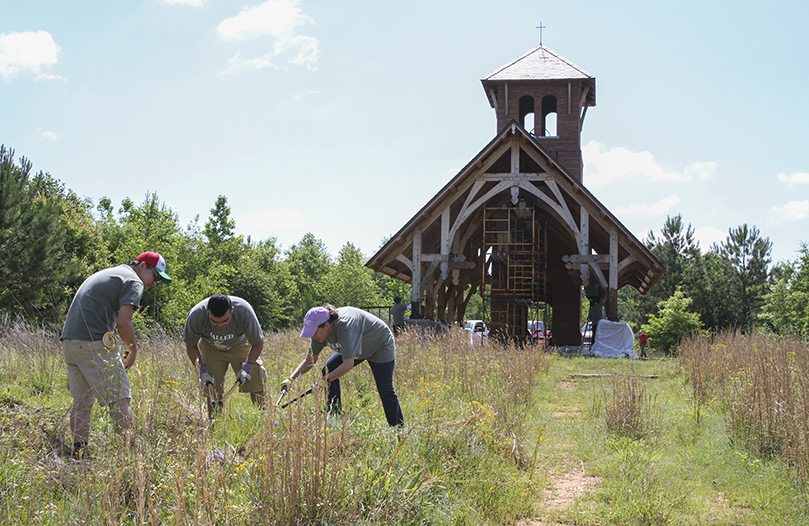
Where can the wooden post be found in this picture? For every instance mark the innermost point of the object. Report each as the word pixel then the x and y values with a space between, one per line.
pixel 415 294
pixel 612 300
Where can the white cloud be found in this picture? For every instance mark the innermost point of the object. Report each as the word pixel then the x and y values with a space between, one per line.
pixel 236 64
pixel 796 178
pixel 700 170
pixel 28 51
pixel 49 135
pixel 45 76
pixel 655 209
pixel 266 223
pixel 708 235
pixel 277 19
pixel 789 213
pixel 603 166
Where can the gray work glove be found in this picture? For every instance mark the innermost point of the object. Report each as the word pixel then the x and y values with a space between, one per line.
pixel 205 378
pixel 244 374
pixel 285 384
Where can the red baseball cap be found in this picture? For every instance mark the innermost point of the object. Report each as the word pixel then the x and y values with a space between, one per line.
pixel 155 260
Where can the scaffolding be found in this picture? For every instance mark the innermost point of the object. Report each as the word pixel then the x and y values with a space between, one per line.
pixel 514 271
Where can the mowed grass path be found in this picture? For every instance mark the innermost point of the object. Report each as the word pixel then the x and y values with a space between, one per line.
pixel 680 471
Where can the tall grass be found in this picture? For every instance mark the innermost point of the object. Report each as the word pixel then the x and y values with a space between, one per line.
pixel 463 457
pixel 763 384
pixel 630 411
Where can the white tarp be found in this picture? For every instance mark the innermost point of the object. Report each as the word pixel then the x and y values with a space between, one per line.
pixel 614 339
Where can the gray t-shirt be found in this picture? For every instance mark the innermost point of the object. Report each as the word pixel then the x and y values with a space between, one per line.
pixel 243 326
pixel 359 334
pixel 94 309
pixel 398 313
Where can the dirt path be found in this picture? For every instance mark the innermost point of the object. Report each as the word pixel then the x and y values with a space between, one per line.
pixel 570 481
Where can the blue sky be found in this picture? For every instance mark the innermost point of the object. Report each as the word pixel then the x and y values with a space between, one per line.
pixel 344 118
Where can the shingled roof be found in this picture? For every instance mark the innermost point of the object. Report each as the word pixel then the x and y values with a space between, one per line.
pixel 539 64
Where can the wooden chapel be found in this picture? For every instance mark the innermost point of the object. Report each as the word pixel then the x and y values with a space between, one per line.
pixel 516 225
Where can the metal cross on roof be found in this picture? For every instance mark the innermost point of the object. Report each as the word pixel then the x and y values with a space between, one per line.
pixel 541 27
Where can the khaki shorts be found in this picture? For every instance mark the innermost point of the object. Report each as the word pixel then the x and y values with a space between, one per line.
pixel 95 373
pixel 218 361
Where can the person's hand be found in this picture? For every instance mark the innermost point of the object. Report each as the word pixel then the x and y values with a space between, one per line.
pixel 244 374
pixel 323 383
pixel 128 359
pixel 286 384
pixel 205 378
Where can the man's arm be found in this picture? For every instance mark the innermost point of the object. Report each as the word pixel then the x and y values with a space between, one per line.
pixel 127 333
pixel 255 351
pixel 192 350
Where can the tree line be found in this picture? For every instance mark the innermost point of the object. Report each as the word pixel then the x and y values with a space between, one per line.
pixel 51 239
pixel 731 286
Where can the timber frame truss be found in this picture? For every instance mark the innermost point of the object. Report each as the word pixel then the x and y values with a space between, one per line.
pixel 457 244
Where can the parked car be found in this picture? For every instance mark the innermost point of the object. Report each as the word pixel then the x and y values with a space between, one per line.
pixel 539 333
pixel 477 331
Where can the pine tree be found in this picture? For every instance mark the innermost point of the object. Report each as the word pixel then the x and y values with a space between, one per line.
pixel 35 270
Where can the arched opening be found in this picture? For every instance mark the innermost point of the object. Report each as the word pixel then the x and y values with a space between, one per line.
pixel 549 115
pixel 527 113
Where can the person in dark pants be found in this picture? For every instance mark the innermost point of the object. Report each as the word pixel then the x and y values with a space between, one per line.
pixel 356 336
pixel 397 313
pixel 643 339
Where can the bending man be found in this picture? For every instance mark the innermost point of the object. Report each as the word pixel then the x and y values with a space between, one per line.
pixel 223 331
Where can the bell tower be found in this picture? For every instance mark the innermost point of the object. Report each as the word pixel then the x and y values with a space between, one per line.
pixel 549 97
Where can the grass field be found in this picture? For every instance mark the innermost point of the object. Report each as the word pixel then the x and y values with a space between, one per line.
pixel 492 436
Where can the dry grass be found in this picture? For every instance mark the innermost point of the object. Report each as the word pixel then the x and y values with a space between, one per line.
pixel 763 384
pixel 629 411
pixel 463 407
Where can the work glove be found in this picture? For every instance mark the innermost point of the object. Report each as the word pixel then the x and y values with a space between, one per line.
pixel 285 385
pixel 244 374
pixel 205 378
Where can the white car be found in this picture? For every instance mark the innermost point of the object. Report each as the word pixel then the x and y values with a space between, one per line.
pixel 477 330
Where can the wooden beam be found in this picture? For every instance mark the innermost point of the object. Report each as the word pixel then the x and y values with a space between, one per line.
pixel 442 258
pixel 581 258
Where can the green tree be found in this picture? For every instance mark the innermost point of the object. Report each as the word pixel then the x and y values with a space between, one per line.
pixel 749 256
pixel 786 305
pixel 350 282
pixel 713 299
pixel 83 249
pixel 264 281
pixel 308 262
pixel 219 227
pixel 153 226
pixel 672 323
pixel 677 249
pixel 36 274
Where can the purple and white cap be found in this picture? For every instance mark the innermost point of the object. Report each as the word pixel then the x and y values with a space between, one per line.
pixel 313 318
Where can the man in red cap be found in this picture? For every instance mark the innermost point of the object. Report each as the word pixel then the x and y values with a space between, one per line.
pixel 96 371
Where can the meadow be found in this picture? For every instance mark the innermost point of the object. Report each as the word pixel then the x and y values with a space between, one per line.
pixel 493 436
